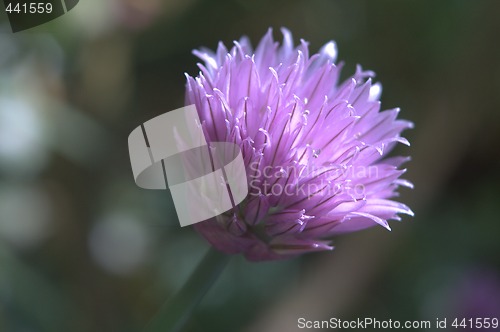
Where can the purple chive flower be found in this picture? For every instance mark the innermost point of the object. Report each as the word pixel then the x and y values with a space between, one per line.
pixel 314 148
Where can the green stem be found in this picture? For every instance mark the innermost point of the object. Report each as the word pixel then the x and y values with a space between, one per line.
pixel 176 311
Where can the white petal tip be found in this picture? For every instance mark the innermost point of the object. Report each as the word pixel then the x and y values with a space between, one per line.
pixel 330 50
pixel 403 141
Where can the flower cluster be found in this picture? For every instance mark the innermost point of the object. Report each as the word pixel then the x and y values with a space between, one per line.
pixel 315 148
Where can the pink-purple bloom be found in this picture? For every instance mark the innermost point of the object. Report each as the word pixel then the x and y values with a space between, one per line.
pixel 315 149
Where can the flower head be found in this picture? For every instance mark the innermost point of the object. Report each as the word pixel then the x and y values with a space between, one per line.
pixel 314 148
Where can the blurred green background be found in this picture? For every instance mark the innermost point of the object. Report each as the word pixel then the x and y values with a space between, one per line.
pixel 83 249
